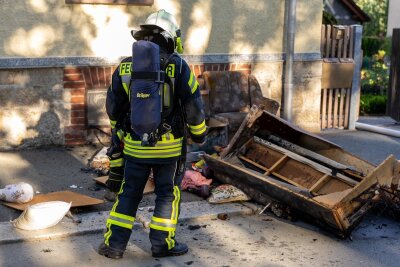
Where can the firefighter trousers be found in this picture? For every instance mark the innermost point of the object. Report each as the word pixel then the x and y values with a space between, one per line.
pixel 166 212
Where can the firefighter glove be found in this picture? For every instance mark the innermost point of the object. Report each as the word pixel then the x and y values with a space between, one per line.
pixel 116 147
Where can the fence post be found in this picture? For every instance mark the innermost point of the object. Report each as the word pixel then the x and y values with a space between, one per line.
pixel 355 87
pixel 393 93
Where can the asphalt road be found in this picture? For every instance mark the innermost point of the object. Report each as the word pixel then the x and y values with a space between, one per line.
pixel 239 241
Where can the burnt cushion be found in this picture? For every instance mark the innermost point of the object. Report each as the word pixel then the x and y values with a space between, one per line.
pixel 228 91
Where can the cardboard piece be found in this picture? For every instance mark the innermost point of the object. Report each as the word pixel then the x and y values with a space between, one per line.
pixel 149 188
pixel 78 200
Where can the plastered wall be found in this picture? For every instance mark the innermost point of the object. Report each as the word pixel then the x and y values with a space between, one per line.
pixel 44 28
pixel 45 104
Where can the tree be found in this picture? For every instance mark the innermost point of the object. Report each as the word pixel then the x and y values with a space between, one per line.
pixel 377 10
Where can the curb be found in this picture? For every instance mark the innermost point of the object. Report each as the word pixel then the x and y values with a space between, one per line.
pixel 95 222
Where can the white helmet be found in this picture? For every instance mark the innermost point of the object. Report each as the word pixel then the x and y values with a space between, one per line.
pixel 161 22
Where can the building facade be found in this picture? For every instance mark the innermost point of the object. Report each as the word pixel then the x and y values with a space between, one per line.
pixel 57 57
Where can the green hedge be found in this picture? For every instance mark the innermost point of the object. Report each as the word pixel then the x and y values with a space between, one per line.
pixel 373 104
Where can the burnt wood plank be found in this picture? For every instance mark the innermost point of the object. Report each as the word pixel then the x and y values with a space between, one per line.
pixel 249 181
pixel 306 161
pixel 383 175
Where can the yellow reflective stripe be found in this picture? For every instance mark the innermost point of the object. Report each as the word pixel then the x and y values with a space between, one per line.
pixel 163 144
pixel 191 80
pixel 199 126
pixel 120 191
pixel 155 154
pixel 120 134
pixel 116 162
pixel 107 236
pixel 170 241
pixel 198 129
pixel 167 137
pixel 113 123
pixel 198 132
pixel 121 224
pixel 113 219
pixel 166 96
pixel 167 225
pixel 196 85
pixel 193 84
pixel 162 220
pixel 153 151
pixel 126 89
pixel 175 204
pixel 161 228
pixel 122 216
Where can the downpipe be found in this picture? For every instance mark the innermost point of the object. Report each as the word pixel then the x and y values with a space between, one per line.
pixel 289 53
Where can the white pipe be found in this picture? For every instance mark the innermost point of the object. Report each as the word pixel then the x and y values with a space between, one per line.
pixel 377 129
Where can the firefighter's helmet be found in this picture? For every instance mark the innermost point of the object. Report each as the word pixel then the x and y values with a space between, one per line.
pixel 164 23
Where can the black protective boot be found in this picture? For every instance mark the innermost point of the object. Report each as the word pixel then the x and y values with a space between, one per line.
pixel 110 252
pixel 178 250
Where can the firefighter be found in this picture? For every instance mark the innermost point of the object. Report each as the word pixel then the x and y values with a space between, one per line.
pixel 166 158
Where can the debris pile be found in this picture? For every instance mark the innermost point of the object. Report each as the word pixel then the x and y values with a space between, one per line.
pixel 273 161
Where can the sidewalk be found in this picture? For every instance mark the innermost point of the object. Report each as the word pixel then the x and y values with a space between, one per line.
pixel 59 169
pixel 94 222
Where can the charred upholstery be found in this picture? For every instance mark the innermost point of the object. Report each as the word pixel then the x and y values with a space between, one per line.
pixel 230 94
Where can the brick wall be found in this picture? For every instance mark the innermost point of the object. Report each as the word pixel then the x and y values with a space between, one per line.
pixel 79 80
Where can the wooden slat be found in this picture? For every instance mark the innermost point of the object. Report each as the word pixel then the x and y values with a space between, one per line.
pixel 280 176
pixel 347 108
pixel 253 163
pixel 316 166
pixel 340 48
pixel 328 40
pixel 341 107
pixel 346 42
pixel 351 44
pixel 381 174
pixel 317 186
pixel 323 113
pixel 335 108
pixel 309 153
pixel 334 43
pixel 323 40
pixel 330 102
pixel 277 164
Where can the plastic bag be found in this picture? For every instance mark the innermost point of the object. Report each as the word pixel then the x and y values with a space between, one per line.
pixel 227 193
pixel 42 215
pixel 17 193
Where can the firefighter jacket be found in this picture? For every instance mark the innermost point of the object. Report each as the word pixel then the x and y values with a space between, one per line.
pixel 187 113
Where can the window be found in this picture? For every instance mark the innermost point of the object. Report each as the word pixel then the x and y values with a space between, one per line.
pixel 112 2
